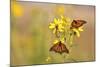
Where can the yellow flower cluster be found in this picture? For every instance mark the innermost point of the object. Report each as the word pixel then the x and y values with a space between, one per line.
pixel 56 26
pixel 59 24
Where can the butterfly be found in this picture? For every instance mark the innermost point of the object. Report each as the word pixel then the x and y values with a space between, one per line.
pixel 77 23
pixel 59 48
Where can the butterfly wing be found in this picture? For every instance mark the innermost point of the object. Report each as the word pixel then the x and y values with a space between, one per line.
pixel 64 48
pixel 59 48
pixel 54 48
pixel 77 23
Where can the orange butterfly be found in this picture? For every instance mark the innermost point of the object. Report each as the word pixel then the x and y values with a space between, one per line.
pixel 59 48
pixel 77 23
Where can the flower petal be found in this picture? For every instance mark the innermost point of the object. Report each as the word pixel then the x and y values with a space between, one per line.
pixel 51 26
pixel 77 32
pixel 55 41
pixel 56 21
pixel 61 30
pixel 80 29
pixel 62 40
pixel 60 26
pixel 54 31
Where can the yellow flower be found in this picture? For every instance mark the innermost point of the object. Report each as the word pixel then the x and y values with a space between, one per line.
pixel 59 25
pixel 56 25
pixel 17 9
pixel 62 40
pixel 66 21
pixel 78 30
pixel 55 41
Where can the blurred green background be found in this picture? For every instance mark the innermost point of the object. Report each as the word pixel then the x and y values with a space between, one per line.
pixel 31 38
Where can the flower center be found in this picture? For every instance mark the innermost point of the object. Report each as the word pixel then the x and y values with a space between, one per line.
pixel 56 27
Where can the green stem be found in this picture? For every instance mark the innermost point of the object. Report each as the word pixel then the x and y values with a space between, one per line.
pixel 56 33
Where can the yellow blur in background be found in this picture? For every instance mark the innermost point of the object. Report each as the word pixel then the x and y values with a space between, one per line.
pixel 16 9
